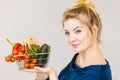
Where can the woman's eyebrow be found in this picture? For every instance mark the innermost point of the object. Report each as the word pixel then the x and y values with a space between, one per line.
pixel 65 30
pixel 76 28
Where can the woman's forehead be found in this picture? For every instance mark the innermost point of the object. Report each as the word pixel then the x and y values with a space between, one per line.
pixel 72 23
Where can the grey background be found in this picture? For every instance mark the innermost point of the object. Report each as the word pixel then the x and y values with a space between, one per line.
pixel 42 19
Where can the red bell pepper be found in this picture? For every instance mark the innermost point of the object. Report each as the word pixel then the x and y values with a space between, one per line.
pixel 18 48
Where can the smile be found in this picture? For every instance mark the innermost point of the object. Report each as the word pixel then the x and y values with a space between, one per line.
pixel 75 45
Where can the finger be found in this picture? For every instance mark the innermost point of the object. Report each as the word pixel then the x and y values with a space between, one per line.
pixel 43 70
pixel 38 69
pixel 28 70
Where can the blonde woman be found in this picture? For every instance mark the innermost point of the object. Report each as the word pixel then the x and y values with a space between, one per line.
pixel 82 27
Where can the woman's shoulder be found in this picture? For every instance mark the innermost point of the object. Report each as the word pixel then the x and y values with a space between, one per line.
pixel 100 71
pixel 67 67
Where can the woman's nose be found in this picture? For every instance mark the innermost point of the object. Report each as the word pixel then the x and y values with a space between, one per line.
pixel 72 38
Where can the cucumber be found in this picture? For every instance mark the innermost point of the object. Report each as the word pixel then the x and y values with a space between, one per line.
pixel 45 48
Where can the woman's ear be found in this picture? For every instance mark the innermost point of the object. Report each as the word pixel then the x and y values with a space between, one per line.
pixel 95 30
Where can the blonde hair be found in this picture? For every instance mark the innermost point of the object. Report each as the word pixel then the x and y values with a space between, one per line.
pixel 86 8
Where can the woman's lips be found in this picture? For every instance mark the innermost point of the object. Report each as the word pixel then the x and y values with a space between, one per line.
pixel 75 45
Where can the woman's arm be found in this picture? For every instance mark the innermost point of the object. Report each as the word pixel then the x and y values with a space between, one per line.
pixel 40 76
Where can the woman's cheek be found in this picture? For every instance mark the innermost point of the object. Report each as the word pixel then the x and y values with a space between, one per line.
pixel 67 39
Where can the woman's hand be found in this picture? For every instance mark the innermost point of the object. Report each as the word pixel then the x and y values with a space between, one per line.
pixel 49 71
pixel 43 73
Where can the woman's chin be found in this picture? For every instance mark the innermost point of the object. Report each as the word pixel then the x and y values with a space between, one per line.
pixel 76 50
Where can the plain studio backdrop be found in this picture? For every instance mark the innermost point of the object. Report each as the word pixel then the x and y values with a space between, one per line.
pixel 42 19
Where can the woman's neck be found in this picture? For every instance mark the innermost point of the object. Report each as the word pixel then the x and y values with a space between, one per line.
pixel 91 56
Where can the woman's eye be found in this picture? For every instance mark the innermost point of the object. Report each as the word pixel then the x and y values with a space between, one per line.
pixel 78 31
pixel 67 33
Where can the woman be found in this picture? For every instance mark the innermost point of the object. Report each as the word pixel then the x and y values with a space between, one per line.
pixel 82 27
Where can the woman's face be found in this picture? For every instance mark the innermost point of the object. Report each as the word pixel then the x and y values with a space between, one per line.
pixel 78 35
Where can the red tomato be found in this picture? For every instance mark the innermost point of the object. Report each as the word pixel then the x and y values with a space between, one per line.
pixel 23 57
pixel 7 58
pixel 18 58
pixel 32 65
pixel 34 61
pixel 27 57
pixel 27 60
pixel 26 65
pixel 12 59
